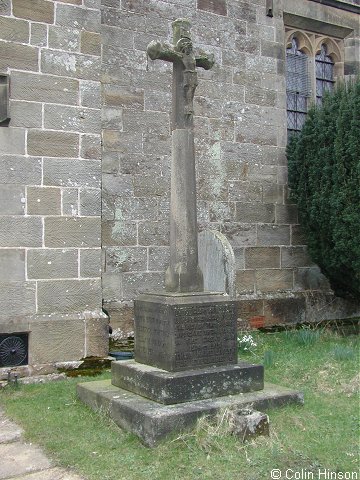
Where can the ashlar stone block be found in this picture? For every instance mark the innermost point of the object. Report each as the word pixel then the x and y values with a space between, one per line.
pixel 90 202
pixel 14 30
pixel 37 10
pixel 12 200
pixel 90 93
pixel 50 340
pixel 240 234
pixel 44 88
pixel 18 231
pixel 90 147
pixel 126 259
pixel 120 186
pixel 52 144
pixel 90 43
pixel 255 212
pixel 16 55
pixel 286 214
pixel 134 283
pixel 12 265
pixel 119 233
pixel 260 96
pixel 5 7
pixel 25 114
pixel 70 202
pixel 123 96
pixel 285 310
pixel 297 235
pixel 295 257
pixel 72 119
pixel 92 4
pixel 245 192
pixel 112 118
pixel 154 233
pixel 273 280
pixel 245 282
pixel 43 201
pixel 63 232
pixel 112 290
pixel 67 172
pixel 17 298
pixel 97 336
pixel 72 2
pixel 144 186
pixel 12 141
pixel 273 235
pixel 52 263
pixel 20 170
pixel 262 257
pixel 77 17
pixel 90 262
pixel 38 34
pixel 68 296
pixel 159 258
pixel 68 64
pixel 64 38
pixel 129 208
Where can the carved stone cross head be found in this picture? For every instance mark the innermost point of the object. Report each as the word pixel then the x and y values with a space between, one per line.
pixel 184 61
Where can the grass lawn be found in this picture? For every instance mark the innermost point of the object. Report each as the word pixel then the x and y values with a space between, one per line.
pixel 324 433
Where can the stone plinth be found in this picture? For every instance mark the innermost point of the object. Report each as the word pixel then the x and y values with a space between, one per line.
pixel 178 387
pixel 181 331
pixel 152 421
pixel 185 367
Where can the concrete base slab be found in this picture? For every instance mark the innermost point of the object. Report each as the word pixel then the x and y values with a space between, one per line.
pixel 178 387
pixel 20 458
pixel 9 431
pixel 50 474
pixel 152 421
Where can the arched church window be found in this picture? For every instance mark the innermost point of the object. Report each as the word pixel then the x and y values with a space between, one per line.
pixel 297 87
pixel 324 68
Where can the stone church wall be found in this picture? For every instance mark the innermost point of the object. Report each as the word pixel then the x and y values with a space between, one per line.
pixel 50 178
pixel 240 135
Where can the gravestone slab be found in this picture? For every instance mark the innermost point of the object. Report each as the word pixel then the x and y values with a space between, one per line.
pixel 217 262
pixel 177 332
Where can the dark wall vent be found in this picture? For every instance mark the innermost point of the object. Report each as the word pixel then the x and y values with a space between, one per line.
pixel 14 349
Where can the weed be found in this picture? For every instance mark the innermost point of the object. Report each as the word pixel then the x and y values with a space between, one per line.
pixel 306 336
pixel 343 352
pixel 268 358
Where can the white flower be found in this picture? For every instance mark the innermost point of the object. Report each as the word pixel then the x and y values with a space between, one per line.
pixel 246 342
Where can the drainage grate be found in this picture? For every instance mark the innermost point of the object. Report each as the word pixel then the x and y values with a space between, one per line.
pixel 14 349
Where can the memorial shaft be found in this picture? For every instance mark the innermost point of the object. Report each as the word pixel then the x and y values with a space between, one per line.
pixel 183 274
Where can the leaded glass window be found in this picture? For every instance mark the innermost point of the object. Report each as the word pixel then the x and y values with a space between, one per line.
pixel 297 87
pixel 324 67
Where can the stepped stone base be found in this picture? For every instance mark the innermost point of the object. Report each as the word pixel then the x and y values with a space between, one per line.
pixel 152 421
pixel 178 387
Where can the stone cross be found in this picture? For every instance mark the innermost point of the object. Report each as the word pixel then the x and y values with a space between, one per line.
pixel 183 274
